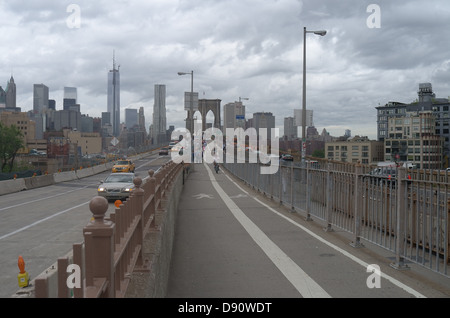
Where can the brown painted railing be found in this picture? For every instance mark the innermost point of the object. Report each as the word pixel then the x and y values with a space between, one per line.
pixel 113 248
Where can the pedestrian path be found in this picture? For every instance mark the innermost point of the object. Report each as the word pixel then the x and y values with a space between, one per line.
pixel 232 242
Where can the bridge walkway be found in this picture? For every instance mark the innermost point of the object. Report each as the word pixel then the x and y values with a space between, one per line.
pixel 233 242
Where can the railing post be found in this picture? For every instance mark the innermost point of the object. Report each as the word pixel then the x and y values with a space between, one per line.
pixel 138 197
pixel 329 198
pixel 357 191
pixel 99 247
pixel 292 187
pixel 308 190
pixel 152 189
pixel 401 214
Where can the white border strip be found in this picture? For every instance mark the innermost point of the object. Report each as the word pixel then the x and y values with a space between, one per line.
pixel 305 285
pixel 352 257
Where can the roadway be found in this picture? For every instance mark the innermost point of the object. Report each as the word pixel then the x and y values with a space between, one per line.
pixel 42 224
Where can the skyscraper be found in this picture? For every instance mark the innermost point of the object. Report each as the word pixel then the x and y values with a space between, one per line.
pixel 131 118
pixel 114 98
pixel 159 115
pixel 40 98
pixel 233 116
pixel 70 97
pixel 11 94
pixel 141 119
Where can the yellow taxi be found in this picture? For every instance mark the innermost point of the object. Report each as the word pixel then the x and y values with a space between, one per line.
pixel 124 165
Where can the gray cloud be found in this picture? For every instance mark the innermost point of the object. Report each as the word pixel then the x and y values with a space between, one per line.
pixel 237 49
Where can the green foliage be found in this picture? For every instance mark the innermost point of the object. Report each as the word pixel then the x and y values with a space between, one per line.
pixel 11 141
pixel 318 154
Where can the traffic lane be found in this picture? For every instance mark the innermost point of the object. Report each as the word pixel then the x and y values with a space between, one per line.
pixel 213 256
pixel 41 228
pixel 338 275
pixel 42 225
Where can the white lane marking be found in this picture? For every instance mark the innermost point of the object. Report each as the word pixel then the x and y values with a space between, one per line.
pixel 147 163
pixel 41 199
pixel 352 257
pixel 42 220
pixel 203 196
pixel 305 285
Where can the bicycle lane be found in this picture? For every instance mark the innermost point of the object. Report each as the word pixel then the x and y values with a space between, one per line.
pixel 309 265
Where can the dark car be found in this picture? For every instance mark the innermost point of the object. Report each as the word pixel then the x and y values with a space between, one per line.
pixel 287 157
pixel 164 151
pixel 383 175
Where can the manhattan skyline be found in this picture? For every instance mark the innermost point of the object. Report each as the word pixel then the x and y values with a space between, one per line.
pixel 234 53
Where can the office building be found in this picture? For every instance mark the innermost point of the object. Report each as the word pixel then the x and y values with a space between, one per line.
pixel 21 120
pixel 11 94
pixel 233 116
pixel 40 98
pixel 426 101
pixel 113 101
pixel 264 120
pixel 159 115
pixel 131 118
pixel 358 149
pixel 290 129
pixel 412 139
pixel 141 119
pixel 67 119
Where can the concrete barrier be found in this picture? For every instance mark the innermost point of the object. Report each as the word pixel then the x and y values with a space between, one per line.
pixel 109 165
pixel 11 186
pixel 85 172
pixel 64 176
pixel 99 169
pixel 39 181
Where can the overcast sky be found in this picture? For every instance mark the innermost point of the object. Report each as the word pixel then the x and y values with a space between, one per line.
pixel 236 48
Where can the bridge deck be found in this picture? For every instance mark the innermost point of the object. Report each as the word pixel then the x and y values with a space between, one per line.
pixel 232 242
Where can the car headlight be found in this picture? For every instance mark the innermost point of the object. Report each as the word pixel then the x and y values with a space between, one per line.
pixel 101 189
pixel 127 189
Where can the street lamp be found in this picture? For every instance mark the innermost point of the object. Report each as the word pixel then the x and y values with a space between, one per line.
pixel 321 33
pixel 191 111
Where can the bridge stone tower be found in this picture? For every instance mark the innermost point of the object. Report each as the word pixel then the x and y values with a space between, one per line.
pixel 206 105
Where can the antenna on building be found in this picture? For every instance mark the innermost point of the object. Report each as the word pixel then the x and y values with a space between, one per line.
pixel 114 60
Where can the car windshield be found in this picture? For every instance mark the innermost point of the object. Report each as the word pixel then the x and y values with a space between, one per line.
pixel 122 162
pixel 119 178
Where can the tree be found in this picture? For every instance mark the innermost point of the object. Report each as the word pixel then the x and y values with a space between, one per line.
pixel 11 141
pixel 318 154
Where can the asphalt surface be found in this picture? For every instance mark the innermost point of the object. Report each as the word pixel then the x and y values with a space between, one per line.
pixel 42 224
pixel 232 242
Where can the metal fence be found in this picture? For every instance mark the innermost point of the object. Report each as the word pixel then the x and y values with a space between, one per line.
pixel 406 213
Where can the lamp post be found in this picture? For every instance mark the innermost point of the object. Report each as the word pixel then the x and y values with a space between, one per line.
pixel 321 33
pixel 191 110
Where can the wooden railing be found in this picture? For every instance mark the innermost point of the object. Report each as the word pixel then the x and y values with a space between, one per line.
pixel 112 247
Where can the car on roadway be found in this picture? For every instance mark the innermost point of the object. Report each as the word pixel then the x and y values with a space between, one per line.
pixel 164 151
pixel 287 157
pixel 124 165
pixel 117 186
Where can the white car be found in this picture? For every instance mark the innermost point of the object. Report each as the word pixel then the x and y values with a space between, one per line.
pixel 118 186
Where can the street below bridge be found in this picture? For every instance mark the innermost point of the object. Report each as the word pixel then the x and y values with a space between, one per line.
pixel 233 242
pixel 42 224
